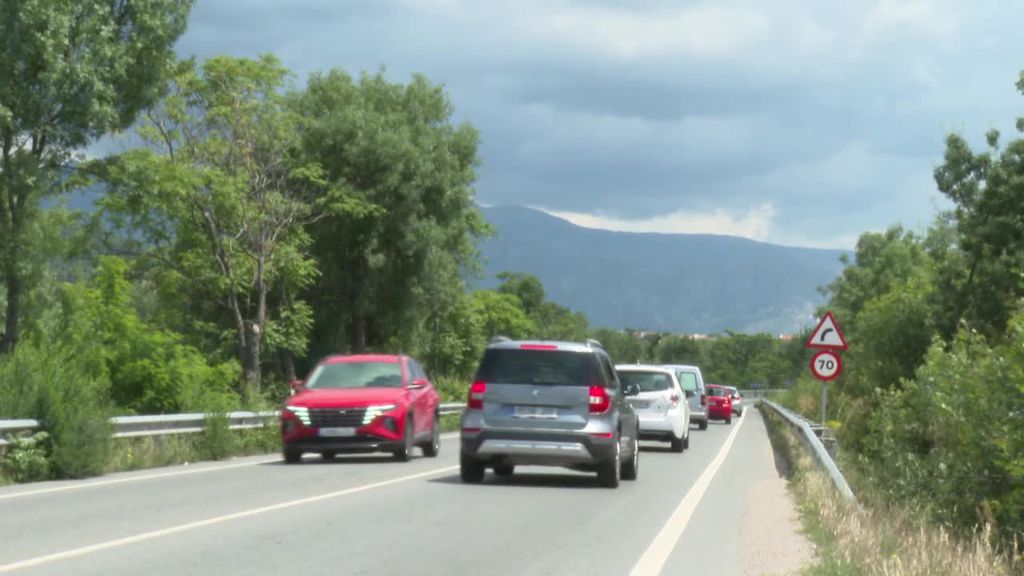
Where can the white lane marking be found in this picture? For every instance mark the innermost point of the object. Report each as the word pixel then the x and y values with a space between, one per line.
pixel 136 478
pixel 101 483
pixel 653 560
pixel 84 550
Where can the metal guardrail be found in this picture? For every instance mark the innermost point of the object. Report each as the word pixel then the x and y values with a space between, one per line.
pixel 165 424
pixel 812 439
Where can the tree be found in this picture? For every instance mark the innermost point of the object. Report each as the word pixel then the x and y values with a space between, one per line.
pixel 395 247
pixel 501 315
pixel 225 202
pixel 527 287
pixel 989 219
pixel 71 71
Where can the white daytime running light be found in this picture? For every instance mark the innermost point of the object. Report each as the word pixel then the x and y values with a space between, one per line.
pixel 372 412
pixel 301 412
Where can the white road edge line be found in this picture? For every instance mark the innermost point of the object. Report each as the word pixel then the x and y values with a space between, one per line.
pixel 654 558
pixel 101 483
pixel 84 550
pixel 136 478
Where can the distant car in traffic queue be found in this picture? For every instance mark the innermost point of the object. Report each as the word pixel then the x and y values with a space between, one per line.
pixel 692 381
pixel 661 405
pixel 551 404
pixel 362 403
pixel 719 403
pixel 737 400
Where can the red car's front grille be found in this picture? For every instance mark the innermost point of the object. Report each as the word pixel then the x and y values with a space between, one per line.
pixel 337 417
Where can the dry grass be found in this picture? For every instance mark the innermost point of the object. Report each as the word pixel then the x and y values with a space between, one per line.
pixel 885 542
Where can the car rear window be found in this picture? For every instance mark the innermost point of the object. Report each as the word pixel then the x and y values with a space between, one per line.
pixel 540 367
pixel 716 391
pixel 357 375
pixel 688 380
pixel 646 381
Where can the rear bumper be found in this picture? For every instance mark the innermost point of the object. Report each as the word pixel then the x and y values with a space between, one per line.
pixel 720 412
pixel 658 427
pixel 537 448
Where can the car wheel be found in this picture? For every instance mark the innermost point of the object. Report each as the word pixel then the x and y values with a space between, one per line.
pixel 431 448
pixel 609 472
pixel 728 420
pixel 292 456
pixel 631 469
pixel 404 453
pixel 703 424
pixel 677 444
pixel 328 455
pixel 686 440
pixel 471 471
pixel 504 470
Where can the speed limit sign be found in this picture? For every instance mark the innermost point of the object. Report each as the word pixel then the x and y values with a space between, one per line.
pixel 826 365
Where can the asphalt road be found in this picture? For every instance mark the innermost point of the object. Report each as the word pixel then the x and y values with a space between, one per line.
pixel 370 515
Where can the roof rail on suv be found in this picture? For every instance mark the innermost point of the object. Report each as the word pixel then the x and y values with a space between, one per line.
pixel 497 339
pixel 594 343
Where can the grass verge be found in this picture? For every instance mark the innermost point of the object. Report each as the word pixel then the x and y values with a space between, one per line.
pixel 852 540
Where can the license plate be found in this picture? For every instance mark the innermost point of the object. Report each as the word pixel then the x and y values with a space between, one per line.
pixel 337 432
pixel 535 412
pixel 640 403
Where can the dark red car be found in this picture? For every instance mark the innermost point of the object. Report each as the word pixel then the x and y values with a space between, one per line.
pixel 719 403
pixel 367 403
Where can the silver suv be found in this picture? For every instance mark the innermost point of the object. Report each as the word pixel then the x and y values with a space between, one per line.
pixel 553 404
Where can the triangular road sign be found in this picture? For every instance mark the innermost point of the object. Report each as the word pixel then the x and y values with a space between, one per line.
pixel 827 334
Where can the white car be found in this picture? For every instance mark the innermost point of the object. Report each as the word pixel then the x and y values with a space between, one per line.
pixel 661 406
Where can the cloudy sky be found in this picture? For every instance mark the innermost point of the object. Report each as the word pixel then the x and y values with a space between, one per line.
pixel 798 122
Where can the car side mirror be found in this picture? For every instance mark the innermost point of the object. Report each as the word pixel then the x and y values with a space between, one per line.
pixel 631 390
pixel 296 386
pixel 690 393
pixel 418 384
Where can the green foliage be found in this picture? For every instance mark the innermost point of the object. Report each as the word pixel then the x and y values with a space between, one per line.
pixel 399 234
pixel 71 72
pixel 218 442
pixel 62 387
pixel 24 459
pixel 502 315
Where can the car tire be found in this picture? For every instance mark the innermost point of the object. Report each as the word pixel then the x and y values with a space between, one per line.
pixel 609 472
pixel 703 424
pixel 728 420
pixel 471 471
pixel 631 469
pixel 328 455
pixel 677 444
pixel 292 456
pixel 433 446
pixel 686 440
pixel 404 452
pixel 504 470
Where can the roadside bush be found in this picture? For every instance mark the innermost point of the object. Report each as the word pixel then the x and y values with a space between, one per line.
pixel 218 441
pixel 63 388
pixel 25 458
pixel 952 440
pixel 451 389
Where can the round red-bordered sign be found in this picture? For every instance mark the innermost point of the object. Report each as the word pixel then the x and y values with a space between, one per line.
pixel 826 365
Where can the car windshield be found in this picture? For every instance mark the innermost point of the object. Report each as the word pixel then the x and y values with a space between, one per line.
pixel 688 380
pixel 357 375
pixel 646 381
pixel 542 367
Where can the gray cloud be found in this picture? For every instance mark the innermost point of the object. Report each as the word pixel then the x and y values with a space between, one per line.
pixel 830 114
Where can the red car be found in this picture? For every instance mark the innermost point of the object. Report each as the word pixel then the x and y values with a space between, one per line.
pixel 719 403
pixel 367 403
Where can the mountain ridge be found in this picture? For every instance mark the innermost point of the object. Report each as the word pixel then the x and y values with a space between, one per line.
pixel 692 283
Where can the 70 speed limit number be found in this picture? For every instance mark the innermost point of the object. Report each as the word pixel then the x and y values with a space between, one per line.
pixel 826 365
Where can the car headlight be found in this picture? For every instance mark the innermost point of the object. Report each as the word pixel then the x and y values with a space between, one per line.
pixel 301 412
pixel 372 412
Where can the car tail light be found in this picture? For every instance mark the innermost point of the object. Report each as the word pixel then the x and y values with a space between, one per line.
pixel 703 399
pixel 538 347
pixel 600 402
pixel 476 395
pixel 674 398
